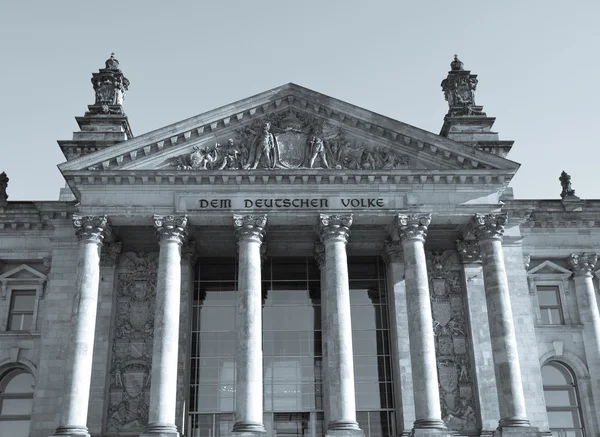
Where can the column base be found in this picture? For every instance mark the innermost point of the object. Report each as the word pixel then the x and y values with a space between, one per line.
pixel 71 431
pixel 345 433
pixel 430 428
pixel 517 431
pixel 160 430
pixel 248 429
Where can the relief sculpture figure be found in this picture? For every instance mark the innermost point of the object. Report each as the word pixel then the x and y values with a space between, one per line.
pixel 265 148
pixel 317 148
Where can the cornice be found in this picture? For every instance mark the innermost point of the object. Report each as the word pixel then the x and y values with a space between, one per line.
pixel 348 116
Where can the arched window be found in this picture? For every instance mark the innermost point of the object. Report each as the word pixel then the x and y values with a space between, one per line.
pixel 562 400
pixel 16 402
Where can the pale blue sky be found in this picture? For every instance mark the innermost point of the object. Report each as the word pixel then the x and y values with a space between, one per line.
pixel 537 63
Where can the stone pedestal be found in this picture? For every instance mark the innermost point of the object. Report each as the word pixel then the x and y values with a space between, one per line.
pixel 333 233
pixel 488 229
pixel 412 230
pixel 249 230
pixel 91 231
pixel 171 231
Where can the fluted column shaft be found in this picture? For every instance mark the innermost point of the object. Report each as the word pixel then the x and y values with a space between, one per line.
pixel 171 232
pixel 249 231
pixel 91 231
pixel 489 230
pixel 333 233
pixel 412 230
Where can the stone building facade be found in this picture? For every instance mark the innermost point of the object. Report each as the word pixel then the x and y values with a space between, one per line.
pixel 291 264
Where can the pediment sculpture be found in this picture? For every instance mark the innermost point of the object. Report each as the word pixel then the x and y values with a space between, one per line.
pixel 290 140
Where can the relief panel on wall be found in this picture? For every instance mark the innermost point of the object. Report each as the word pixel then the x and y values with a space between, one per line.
pixel 129 390
pixel 451 341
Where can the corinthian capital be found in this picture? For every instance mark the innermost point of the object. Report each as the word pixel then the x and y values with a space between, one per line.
pixel 469 251
pixel 488 226
pixel 582 264
pixel 171 228
pixel 250 227
pixel 91 227
pixel 110 254
pixel 334 226
pixel 412 227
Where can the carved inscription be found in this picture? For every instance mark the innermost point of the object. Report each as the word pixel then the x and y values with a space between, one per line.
pixel 451 340
pixel 129 390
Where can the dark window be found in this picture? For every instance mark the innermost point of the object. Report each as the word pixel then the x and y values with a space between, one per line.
pixel 16 400
pixel 22 304
pixel 550 306
pixel 562 402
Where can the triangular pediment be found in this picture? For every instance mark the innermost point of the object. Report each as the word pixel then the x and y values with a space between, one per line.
pixel 306 131
pixel 22 273
pixel 549 269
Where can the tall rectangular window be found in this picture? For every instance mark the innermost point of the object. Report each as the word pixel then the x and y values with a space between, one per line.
pixel 22 305
pixel 550 305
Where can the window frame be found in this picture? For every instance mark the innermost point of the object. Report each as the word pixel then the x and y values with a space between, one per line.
pixel 10 282
pixel 557 277
pixel 11 373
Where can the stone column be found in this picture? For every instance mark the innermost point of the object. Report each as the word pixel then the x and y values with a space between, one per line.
pixel 485 379
pixel 412 231
pixel 582 265
pixel 91 231
pixel 403 386
pixel 488 229
pixel 171 232
pixel 319 252
pixel 249 231
pixel 333 233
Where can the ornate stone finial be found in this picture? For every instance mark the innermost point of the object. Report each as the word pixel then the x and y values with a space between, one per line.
pixel 582 264
pixel 565 182
pixel 456 64
pixel 319 253
pixel 3 184
pixel 110 86
pixel 412 227
pixel 110 254
pixel 171 228
pixel 469 251
pixel 250 227
pixel 488 226
pixel 459 89
pixel 91 228
pixel 392 251
pixel 334 226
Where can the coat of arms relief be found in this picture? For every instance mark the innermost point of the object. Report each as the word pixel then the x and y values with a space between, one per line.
pixel 291 140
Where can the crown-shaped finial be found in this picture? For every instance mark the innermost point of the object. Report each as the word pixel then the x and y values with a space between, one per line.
pixel 112 63
pixel 457 64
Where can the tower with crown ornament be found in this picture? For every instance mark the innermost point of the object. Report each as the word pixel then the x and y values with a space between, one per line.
pixel 465 121
pixel 104 123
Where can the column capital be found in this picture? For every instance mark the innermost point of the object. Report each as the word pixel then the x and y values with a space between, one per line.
pixel 334 227
pixel 171 227
pixel 319 253
pixel 582 264
pixel 93 228
pixel 488 226
pixel 250 227
pixel 469 251
pixel 392 251
pixel 109 256
pixel 412 227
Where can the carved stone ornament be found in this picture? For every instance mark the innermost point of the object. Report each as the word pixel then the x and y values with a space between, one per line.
pixel 582 264
pixel 459 89
pixel 412 227
pixel 92 228
pixel 110 87
pixel 290 140
pixel 171 228
pixel 47 264
pixel 109 255
pixel 488 226
pixel 334 226
pixel 188 253
pixel 319 253
pixel 131 362
pixel 526 261
pixel 392 251
pixel 565 182
pixel 3 184
pixel 469 251
pixel 250 227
